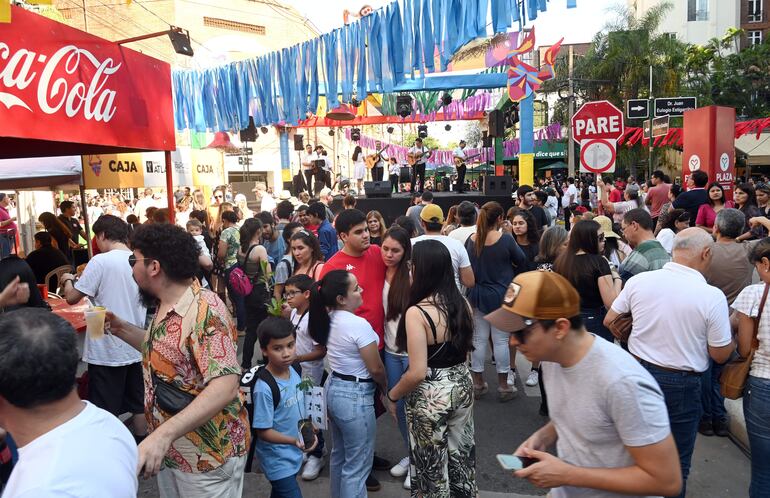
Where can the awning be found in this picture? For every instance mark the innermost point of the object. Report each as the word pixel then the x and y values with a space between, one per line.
pixel 757 150
pixel 66 92
pixel 556 165
pixel 41 172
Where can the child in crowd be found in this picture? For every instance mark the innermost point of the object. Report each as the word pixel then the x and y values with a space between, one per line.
pixel 279 446
pixel 309 355
pixel 195 228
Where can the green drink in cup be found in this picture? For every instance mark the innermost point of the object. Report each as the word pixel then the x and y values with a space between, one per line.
pixel 95 322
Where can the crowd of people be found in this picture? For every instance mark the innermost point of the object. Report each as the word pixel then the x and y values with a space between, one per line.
pixel 401 318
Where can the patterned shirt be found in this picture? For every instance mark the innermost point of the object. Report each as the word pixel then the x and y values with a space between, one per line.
pixel 193 344
pixel 748 302
pixel 647 256
pixel 232 236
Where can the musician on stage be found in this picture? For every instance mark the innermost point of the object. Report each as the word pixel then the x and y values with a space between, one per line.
pixel 459 157
pixel 395 172
pixel 308 166
pixel 420 152
pixel 378 170
pixel 324 173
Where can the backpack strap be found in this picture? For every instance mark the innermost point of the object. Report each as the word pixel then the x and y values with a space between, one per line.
pixel 265 375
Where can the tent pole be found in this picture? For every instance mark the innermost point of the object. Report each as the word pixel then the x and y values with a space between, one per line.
pixel 170 187
pixel 86 221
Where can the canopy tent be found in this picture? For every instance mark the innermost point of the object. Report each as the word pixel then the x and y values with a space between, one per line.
pixel 756 150
pixel 42 172
pixel 556 165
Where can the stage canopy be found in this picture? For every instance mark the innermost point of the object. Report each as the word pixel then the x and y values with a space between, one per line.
pixel 66 92
pixel 40 172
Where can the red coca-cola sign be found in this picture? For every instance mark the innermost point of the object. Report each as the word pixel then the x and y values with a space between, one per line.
pixel 66 87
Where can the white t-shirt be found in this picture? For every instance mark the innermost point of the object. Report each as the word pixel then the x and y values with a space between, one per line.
pixel 347 335
pixel 461 234
pixel 570 195
pixel 90 456
pixel 666 239
pixel 268 203
pixel 391 326
pixel 679 339
pixel 459 152
pixel 457 250
pixel 748 302
pixel 308 158
pixel 305 345
pixel 109 281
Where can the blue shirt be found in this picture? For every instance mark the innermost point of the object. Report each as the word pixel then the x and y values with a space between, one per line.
pixel 275 249
pixel 327 237
pixel 494 270
pixel 279 461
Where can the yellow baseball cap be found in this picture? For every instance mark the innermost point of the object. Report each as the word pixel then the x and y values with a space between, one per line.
pixel 538 295
pixel 432 213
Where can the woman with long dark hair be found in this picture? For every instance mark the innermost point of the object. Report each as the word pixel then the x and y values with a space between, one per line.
pixel 673 193
pixel 306 251
pixel 552 243
pixel 359 168
pixel 377 227
pixel 678 220
pixel 60 233
pixel 615 250
pixel 252 257
pixel 590 273
pixel 356 369
pixel 396 252
pixel 437 332
pixel 746 202
pixel 707 213
pixel 525 232
pixel 285 267
pixel 495 259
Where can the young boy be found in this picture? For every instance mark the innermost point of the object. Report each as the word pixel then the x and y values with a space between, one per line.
pixel 309 354
pixel 278 445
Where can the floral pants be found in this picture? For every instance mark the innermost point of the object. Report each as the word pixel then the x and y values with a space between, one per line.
pixel 442 449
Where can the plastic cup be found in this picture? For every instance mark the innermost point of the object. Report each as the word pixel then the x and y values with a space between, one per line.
pixel 95 322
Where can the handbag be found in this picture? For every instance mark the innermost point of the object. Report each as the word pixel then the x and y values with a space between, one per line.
pixel 732 382
pixel 620 327
pixel 239 281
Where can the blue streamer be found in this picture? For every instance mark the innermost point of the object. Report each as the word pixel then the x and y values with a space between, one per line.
pixel 428 44
pixel 532 5
pixel 571 4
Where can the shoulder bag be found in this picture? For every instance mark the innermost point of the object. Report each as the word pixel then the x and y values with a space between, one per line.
pixel 736 372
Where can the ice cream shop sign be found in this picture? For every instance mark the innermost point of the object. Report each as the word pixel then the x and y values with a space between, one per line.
pixel 59 84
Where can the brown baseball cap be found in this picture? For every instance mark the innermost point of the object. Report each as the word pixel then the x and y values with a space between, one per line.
pixel 538 295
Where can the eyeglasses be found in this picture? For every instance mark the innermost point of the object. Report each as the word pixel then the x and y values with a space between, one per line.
pixel 291 294
pixel 521 335
pixel 133 259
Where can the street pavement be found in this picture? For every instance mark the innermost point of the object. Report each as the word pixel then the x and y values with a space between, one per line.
pixel 719 469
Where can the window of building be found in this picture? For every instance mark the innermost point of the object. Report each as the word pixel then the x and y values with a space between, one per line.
pixel 213 22
pixel 697 10
pixel 670 36
pixel 754 37
pixel 755 11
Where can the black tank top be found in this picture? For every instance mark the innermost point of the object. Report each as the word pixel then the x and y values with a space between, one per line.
pixel 441 354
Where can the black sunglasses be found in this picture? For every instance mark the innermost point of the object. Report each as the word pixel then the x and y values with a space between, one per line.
pixel 133 259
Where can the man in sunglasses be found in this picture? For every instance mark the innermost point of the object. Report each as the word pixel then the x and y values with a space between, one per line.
pixel 608 416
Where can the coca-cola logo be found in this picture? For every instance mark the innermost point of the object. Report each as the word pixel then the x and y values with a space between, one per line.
pixel 93 99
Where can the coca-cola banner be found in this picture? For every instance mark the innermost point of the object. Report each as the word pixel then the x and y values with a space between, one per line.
pixel 78 92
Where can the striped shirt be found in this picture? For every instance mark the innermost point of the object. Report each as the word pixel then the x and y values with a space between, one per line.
pixel 647 256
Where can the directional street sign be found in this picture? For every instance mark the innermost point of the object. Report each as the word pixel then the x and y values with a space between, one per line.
pixel 675 106
pixel 659 127
pixel 637 108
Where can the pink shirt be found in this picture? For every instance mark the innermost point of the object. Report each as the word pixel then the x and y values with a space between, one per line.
pixel 658 196
pixel 11 227
pixel 707 216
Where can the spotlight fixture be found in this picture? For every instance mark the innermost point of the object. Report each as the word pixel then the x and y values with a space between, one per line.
pixel 422 131
pixel 448 127
pixel 263 130
pixel 446 99
pixel 331 132
pixel 390 130
pixel 249 134
pixel 355 134
pixel 404 105
pixel 355 102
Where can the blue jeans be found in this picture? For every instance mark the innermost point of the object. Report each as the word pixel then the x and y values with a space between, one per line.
pixel 285 488
pixel 593 319
pixel 5 245
pixel 756 410
pixel 711 397
pixel 395 366
pixel 682 393
pixel 350 406
pixel 239 303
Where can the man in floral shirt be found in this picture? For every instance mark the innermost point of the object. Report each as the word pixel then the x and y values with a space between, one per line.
pixel 199 424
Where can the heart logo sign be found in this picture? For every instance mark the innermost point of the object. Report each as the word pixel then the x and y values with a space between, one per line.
pixel 694 162
pixel 724 161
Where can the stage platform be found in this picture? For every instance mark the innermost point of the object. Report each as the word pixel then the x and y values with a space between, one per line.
pixel 396 205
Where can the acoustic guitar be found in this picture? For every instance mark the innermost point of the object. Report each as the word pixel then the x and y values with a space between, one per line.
pixel 412 158
pixel 372 159
pixel 459 162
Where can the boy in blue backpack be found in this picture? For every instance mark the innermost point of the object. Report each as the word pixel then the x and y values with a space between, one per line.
pixel 279 446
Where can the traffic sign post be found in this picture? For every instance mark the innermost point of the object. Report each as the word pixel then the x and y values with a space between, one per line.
pixel 596 127
pixel 675 106
pixel 598 155
pixel 659 127
pixel 637 108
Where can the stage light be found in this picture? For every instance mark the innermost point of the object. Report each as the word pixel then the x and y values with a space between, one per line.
pixel 404 105
pixel 422 131
pixel 331 132
pixel 263 129
pixel 448 127
pixel 355 102
pixel 355 134
pixel 390 129
pixel 446 99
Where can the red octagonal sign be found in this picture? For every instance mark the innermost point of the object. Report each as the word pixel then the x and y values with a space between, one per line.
pixel 597 120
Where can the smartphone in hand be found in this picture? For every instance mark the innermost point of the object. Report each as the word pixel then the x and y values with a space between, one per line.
pixel 513 462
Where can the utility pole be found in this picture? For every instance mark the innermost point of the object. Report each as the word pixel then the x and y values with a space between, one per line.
pixel 85 17
pixel 651 106
pixel 571 112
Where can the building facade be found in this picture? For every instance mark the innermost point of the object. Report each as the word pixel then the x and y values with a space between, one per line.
pixel 755 21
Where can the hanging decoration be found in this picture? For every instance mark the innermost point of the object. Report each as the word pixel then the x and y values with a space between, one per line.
pixel 524 79
pixel 390 49
pixel 675 137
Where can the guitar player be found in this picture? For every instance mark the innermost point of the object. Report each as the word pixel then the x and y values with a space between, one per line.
pixel 418 168
pixel 308 166
pixel 460 156
pixel 378 170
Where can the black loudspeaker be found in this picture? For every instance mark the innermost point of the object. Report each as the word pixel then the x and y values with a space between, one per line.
pixel 496 124
pixel 406 174
pixel 249 134
pixel 377 189
pixel 499 186
pixel 298 142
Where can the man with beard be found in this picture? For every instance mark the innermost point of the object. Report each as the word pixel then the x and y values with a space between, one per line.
pixel 200 433
pixel 114 367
